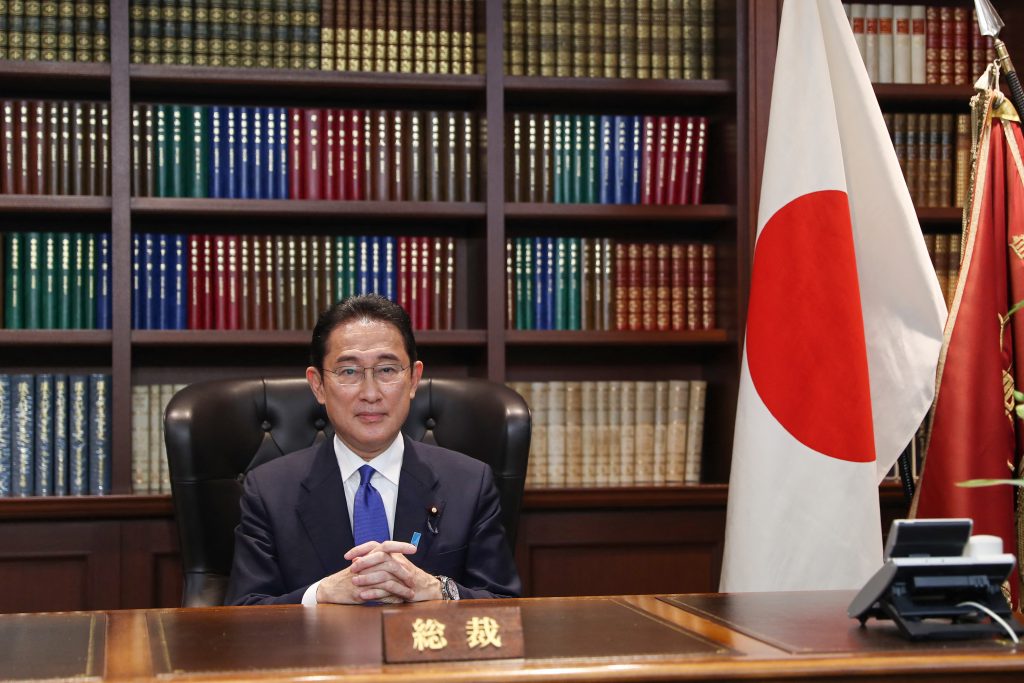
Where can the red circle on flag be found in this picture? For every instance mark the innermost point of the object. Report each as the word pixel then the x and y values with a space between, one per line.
pixel 805 330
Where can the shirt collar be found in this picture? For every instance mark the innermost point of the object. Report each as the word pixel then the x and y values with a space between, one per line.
pixel 388 463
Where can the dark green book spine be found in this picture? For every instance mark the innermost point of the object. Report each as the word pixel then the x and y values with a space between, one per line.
pixel 561 281
pixel 232 33
pixel 154 32
pixel 281 35
pixel 184 29
pixel 48 31
pixel 65 30
pixel 592 159
pixel 578 158
pixel 32 287
pixel 573 294
pixel 174 141
pixel 48 281
pixel 264 34
pixel 33 29
pixel 169 31
pixel 66 258
pixel 101 31
pixel 83 30
pixel 4 29
pixel 14 300
pixel 557 121
pixel 311 28
pixel 16 29
pixel 103 150
pixel 198 136
pixel 137 32
pixel 296 33
pixel 77 279
pixel 88 293
pixel 216 41
pixel 247 33
pixel 201 32
pixel 163 133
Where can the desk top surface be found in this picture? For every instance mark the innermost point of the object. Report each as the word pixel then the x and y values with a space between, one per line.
pixel 778 636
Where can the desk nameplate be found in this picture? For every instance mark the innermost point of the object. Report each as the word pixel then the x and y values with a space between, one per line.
pixel 452 631
pixel 52 645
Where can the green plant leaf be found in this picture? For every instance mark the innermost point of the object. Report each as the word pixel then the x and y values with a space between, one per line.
pixel 975 483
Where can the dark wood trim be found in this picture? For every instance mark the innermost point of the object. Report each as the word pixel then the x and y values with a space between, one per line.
pixel 633 497
pixel 98 338
pixel 74 74
pixel 942 214
pixel 620 212
pixel 620 87
pixel 906 93
pixel 299 208
pixel 267 338
pixel 614 338
pixel 79 508
pixel 50 204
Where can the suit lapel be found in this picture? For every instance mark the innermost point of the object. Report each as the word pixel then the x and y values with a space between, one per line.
pixel 417 496
pixel 323 511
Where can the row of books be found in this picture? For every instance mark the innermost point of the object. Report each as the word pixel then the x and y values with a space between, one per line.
pixel 55 30
pixel 55 280
pixel 283 282
pixel 934 151
pixel 615 433
pixel 58 147
pixel 54 435
pixel 919 44
pixel 407 36
pixel 281 153
pixel 569 283
pixel 610 38
pixel 574 158
pixel 149 450
pixel 945 252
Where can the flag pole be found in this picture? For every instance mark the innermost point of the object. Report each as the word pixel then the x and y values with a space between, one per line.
pixel 990 24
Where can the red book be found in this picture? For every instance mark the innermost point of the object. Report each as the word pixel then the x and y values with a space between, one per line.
pixel 621 291
pixel 946 45
pixel 677 287
pixel 648 286
pixel 423 288
pixel 707 308
pixel 412 278
pixel 687 139
pixel 220 290
pixel 312 142
pixel 961 42
pixel 449 284
pixel 693 286
pixel 234 299
pixel 206 275
pixel 661 157
pixel 8 133
pixel 932 45
pixel 356 160
pixel 37 148
pixel 699 158
pixel 328 154
pixel 634 303
pixel 296 171
pixel 342 152
pixel 650 141
pixel 381 156
pixel 195 282
pixel 23 145
pixel 663 281
pixel 403 275
pixel 672 174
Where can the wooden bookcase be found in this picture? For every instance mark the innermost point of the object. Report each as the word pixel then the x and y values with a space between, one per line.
pixel 120 550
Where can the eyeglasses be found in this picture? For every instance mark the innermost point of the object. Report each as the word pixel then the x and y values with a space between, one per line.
pixel 350 375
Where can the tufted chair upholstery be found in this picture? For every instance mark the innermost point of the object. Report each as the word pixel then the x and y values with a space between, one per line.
pixel 217 431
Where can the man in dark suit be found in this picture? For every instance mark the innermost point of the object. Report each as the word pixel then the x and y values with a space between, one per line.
pixel 369 516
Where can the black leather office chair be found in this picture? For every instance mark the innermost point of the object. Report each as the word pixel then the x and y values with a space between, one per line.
pixel 216 431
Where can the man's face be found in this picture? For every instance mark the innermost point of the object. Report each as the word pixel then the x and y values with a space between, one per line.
pixel 368 415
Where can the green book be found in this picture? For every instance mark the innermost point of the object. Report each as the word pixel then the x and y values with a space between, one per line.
pixel 216 41
pixel 77 280
pixel 232 33
pixel 4 29
pixel 592 156
pixel 32 283
pixel 65 30
pixel 573 283
pixel 163 186
pixel 579 145
pixel 101 31
pixel 137 31
pixel 311 28
pixel 14 303
pixel 519 266
pixel 169 31
pixel 154 32
pixel 48 281
pixel 183 25
pixel 48 31
pixel 557 121
pixel 201 32
pixel 264 33
pixel 33 29
pixel 297 33
pixel 561 281
pixel 281 35
pixel 175 149
pixel 88 291
pixel 247 33
pixel 83 30
pixel 16 29
pixel 196 135
pixel 66 257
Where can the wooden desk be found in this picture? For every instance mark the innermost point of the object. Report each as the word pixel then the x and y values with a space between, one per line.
pixel 767 636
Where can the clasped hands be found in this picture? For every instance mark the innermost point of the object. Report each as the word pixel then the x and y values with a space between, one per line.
pixel 380 572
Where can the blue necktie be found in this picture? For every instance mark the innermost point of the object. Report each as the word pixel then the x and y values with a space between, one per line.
pixel 369 521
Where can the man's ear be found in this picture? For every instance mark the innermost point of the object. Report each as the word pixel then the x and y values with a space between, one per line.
pixel 316 384
pixel 415 374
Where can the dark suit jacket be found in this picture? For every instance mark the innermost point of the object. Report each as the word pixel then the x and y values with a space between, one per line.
pixel 295 530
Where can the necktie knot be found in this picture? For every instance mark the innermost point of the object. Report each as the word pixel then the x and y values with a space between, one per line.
pixel 365 475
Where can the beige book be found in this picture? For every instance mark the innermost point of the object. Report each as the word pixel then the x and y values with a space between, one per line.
pixel 695 431
pixel 627 434
pixel 644 434
pixel 573 434
pixel 166 393
pixel 601 398
pixel 538 467
pixel 156 438
pixel 140 439
pixel 675 441
pixel 918 44
pixel 871 40
pixel 660 433
pixel 614 433
pixel 901 44
pixel 588 432
pixel 556 434
pixel 885 43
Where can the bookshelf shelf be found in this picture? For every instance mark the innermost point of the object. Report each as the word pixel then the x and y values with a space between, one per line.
pixel 522 211
pixel 615 338
pixel 904 93
pixel 290 338
pixel 615 92
pixel 940 215
pixel 305 208
pixel 85 507
pixel 54 204
pixel 632 497
pixel 76 338
pixel 55 78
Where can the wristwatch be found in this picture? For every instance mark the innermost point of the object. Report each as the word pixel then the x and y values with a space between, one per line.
pixel 449 590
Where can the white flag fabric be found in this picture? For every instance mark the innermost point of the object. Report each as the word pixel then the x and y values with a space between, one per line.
pixel 844 324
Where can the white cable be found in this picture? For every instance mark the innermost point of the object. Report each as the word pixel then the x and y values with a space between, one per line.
pixel 995 617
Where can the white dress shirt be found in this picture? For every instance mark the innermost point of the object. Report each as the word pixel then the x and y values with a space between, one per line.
pixel 388 466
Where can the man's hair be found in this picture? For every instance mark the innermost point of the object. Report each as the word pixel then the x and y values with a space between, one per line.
pixel 362 307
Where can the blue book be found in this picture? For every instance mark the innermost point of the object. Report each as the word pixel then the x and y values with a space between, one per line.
pixel 281 170
pixel 257 131
pixel 560 277
pixel 388 269
pixel 162 295
pixel 364 283
pixel 550 282
pixel 44 436
pixel 150 272
pixel 99 435
pixel 216 153
pixel 243 160
pixel 138 285
pixel 540 265
pixel 6 443
pixel 376 262
pixel 178 299
pixel 621 191
pixel 78 435
pixel 60 435
pixel 104 311
pixel 636 134
pixel 230 153
pixel 606 194
pixel 23 422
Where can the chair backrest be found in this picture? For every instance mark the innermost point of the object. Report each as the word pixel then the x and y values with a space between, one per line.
pixel 216 431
